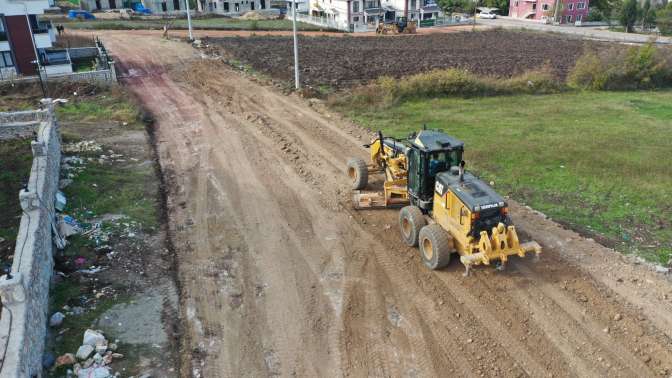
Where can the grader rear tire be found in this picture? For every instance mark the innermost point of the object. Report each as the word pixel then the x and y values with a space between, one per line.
pixel 358 173
pixel 411 221
pixel 436 245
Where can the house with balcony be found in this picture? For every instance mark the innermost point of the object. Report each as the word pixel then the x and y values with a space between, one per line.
pixel 569 12
pixel 361 14
pixel 25 41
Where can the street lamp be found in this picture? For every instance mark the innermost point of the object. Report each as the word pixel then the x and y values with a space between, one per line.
pixel 296 47
pixel 191 37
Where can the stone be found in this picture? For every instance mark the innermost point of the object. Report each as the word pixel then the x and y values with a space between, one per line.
pixel 117 356
pixel 56 320
pixel 662 269
pixel 93 338
pixel 97 358
pixel 112 347
pixel 66 359
pixel 94 372
pixel 84 352
pixel 88 363
pixel 101 348
pixel 618 317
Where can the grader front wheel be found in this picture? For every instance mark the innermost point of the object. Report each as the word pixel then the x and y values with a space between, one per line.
pixel 358 173
pixel 436 245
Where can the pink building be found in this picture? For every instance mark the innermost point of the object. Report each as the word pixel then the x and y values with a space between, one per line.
pixel 571 11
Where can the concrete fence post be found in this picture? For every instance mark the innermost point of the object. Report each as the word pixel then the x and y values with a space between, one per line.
pixel 113 70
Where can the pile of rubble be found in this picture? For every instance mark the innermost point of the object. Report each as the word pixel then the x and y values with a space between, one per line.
pixel 92 358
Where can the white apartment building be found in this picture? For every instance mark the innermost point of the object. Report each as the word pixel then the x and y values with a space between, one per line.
pixel 358 13
pixel 23 37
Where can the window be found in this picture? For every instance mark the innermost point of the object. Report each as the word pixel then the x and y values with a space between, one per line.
pixel 580 5
pixel 226 6
pixel 413 4
pixel 355 6
pixel 515 4
pixel 579 17
pixel 6 59
pixel 544 7
pixel 569 18
pixel 355 19
pixel 534 6
pixel 236 7
pixel 570 6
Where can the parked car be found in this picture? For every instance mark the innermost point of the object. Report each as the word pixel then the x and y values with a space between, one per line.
pixel 489 15
pixel 80 15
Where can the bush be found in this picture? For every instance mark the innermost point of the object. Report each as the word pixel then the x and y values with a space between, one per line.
pixel 386 90
pixel 664 20
pixel 642 67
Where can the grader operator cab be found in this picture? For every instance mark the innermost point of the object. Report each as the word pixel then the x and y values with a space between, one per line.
pixel 449 210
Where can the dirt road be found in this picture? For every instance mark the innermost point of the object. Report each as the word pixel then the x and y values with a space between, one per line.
pixel 279 276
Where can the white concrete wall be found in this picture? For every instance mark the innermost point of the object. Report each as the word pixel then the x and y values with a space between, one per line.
pixel 15 8
pixel 25 295
pixel 57 69
pixel 42 40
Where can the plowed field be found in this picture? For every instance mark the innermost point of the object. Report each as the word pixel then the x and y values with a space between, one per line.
pixel 343 61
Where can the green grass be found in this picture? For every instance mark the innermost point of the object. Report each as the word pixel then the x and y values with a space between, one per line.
pixel 16 160
pixel 599 161
pixel 202 23
pixel 100 190
pixel 105 107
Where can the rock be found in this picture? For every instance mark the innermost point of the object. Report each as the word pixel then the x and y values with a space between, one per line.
pixel 618 317
pixel 77 310
pixel 88 363
pixel 145 375
pixel 56 319
pixel 117 356
pixel 66 359
pixel 647 359
pixel 97 358
pixel 93 338
pixel 112 347
pixel 101 349
pixel 606 330
pixel 470 341
pixel 84 352
pixel 662 269
pixel 94 372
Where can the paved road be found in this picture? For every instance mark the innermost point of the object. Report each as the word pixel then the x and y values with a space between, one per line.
pixel 588 32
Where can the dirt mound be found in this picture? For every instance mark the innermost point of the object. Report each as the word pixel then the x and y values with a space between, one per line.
pixel 252 15
pixel 342 62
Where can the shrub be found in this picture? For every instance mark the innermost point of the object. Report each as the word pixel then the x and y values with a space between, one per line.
pixel 642 67
pixel 386 90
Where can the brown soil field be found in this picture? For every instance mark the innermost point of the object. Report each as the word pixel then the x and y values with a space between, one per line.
pixel 343 61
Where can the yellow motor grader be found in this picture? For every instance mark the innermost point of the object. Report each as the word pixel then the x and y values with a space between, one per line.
pixel 448 210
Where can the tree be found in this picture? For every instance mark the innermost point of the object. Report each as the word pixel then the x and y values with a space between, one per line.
pixel 664 20
pixel 648 16
pixel 456 6
pixel 552 12
pixel 629 15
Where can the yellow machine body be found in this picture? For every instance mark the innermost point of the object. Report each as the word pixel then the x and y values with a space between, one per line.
pixel 457 219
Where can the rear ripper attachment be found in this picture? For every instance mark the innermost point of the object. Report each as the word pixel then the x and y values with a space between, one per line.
pixel 449 210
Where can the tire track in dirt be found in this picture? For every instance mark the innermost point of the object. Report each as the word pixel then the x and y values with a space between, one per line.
pixel 252 220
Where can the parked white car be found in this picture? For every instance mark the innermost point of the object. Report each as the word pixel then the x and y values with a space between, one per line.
pixel 489 15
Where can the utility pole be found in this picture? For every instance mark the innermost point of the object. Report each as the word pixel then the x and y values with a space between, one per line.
pixel 191 36
pixel 555 13
pixel 296 48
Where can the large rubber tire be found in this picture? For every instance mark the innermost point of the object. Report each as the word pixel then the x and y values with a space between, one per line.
pixel 436 245
pixel 358 173
pixel 411 221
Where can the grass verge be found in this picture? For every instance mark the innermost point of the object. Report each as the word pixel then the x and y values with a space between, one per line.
pixel 16 160
pixel 597 161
